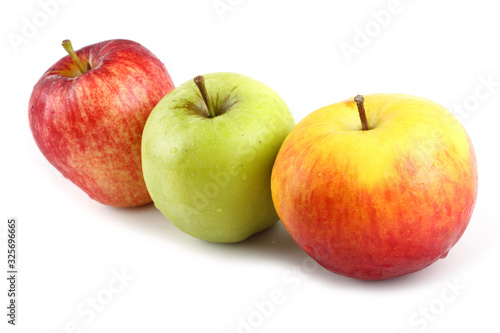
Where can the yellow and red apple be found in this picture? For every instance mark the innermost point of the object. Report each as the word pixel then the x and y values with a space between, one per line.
pixel 381 197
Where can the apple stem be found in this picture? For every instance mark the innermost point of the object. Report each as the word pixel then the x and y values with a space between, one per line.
pixel 361 109
pixel 69 48
pixel 200 83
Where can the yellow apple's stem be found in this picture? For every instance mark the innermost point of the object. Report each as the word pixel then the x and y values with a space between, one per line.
pixel 69 48
pixel 200 83
pixel 361 109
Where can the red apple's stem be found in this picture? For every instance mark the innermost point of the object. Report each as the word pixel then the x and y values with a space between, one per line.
pixel 200 83
pixel 69 48
pixel 361 109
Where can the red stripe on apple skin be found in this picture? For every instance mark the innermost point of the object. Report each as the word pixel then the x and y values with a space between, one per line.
pixel 385 231
pixel 90 126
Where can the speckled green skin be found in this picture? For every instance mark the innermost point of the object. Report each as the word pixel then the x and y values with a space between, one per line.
pixel 211 176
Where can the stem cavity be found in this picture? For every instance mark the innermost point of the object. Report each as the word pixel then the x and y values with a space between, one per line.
pixel 200 83
pixel 361 109
pixel 69 48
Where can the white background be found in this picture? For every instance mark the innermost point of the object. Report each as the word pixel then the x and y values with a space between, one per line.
pixel 71 247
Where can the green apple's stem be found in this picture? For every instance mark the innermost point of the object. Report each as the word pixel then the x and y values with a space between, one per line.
pixel 200 83
pixel 69 48
pixel 361 109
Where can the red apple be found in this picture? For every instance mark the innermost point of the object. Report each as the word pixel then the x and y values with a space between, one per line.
pixel 381 197
pixel 87 113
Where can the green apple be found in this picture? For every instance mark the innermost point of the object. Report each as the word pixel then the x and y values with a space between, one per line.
pixel 208 150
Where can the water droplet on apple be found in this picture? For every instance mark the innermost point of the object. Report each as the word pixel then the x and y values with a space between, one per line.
pixel 219 210
pixel 244 176
pixel 173 150
pixel 444 256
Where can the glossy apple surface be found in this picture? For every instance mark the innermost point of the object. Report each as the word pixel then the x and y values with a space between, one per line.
pixel 210 176
pixel 89 124
pixel 378 203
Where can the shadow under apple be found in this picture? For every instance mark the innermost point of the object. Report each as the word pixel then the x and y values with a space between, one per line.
pixel 273 245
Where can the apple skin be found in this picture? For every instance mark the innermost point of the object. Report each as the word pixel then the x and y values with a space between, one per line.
pixel 211 176
pixel 379 203
pixel 89 126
